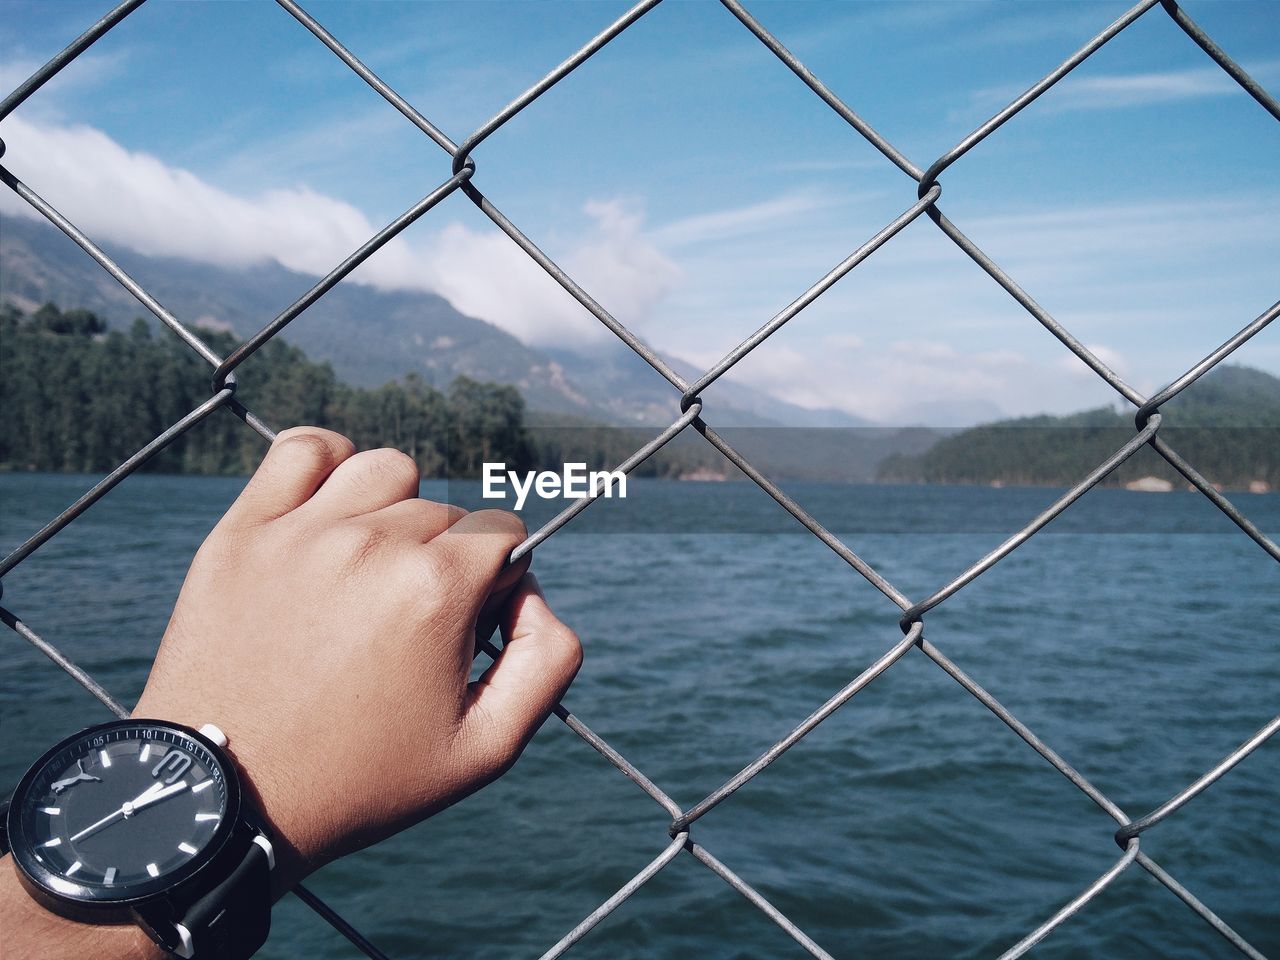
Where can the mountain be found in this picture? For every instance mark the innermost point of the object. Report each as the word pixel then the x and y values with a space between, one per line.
pixel 371 336
pixel 1226 424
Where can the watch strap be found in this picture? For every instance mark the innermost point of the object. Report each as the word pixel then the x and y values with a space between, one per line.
pixel 229 921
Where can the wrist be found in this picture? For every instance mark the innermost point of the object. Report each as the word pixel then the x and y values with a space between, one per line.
pixel 262 784
pixel 34 933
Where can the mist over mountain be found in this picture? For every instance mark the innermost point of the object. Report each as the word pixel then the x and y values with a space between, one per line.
pixel 371 336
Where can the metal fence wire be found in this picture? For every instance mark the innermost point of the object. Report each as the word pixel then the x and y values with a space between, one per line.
pixel 462 177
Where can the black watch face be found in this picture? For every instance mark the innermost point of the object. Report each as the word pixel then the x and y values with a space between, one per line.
pixel 121 811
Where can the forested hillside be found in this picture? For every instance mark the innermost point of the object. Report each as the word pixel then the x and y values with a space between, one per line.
pixel 78 397
pixel 1227 425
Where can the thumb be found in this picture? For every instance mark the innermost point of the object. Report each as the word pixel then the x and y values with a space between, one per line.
pixel 539 659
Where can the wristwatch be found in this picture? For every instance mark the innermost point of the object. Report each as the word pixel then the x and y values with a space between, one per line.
pixel 144 821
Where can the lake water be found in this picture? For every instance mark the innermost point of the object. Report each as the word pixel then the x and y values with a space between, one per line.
pixel 1138 636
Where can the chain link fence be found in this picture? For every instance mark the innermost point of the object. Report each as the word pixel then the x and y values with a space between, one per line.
pixel 911 613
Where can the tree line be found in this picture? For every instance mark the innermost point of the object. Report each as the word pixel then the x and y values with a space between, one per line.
pixel 1227 425
pixel 79 397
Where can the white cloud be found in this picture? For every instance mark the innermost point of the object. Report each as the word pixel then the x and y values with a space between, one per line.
pixel 738 221
pixel 926 382
pixel 1112 90
pixel 843 341
pixel 136 200
pixel 484 274
pixel 619 255
pixel 834 165
pixel 1114 359
pixel 14 72
pixel 1156 86
pixel 91 70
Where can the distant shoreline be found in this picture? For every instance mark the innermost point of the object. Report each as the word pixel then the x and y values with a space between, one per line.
pixel 8 470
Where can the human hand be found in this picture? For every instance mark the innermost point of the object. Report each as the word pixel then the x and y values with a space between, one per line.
pixel 327 626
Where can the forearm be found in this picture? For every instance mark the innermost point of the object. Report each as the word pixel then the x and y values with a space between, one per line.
pixel 30 932
pixel 261 644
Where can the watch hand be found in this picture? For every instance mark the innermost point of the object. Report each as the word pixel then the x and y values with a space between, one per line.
pixel 142 798
pixel 152 795
pixel 110 817
pixel 156 791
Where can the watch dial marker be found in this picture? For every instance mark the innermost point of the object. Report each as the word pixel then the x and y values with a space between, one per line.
pixel 146 753
pixel 52 811
pixel 105 758
pixel 110 876
pixel 74 867
pixel 202 785
pixel 52 843
pixel 153 869
pixel 186 848
pixel 202 817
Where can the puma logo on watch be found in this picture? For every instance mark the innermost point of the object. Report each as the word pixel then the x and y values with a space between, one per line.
pixel 60 785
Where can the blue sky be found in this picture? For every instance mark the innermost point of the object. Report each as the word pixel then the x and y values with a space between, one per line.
pixel 692 184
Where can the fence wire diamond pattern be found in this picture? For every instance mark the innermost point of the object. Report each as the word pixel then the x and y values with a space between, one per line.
pixel 911 620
